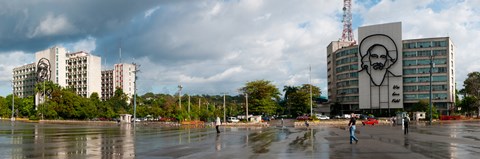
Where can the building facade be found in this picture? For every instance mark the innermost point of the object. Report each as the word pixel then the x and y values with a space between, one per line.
pixel 84 73
pixel 24 79
pixel 122 76
pixel 384 74
pixel 108 88
pixel 56 58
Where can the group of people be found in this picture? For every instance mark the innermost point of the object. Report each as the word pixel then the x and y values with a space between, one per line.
pixel 353 120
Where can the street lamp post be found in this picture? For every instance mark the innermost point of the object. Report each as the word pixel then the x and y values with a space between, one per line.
pixel 180 96
pixel 13 101
pixel 311 97
pixel 224 118
pixel 431 71
pixel 246 106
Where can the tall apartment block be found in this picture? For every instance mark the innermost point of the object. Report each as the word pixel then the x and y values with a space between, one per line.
pixel 24 79
pixel 79 70
pixel 84 73
pixel 108 88
pixel 122 76
pixel 347 65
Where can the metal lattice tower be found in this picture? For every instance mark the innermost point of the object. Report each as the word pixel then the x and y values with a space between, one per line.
pixel 347 34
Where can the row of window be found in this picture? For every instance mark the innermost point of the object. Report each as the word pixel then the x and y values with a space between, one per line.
pixel 347 75
pixel 436 96
pixel 425 79
pixel 425 88
pixel 424 53
pixel 347 52
pixel 411 71
pixel 347 99
pixel 347 60
pixel 347 68
pixel 424 62
pixel 425 44
pixel 347 91
pixel 347 83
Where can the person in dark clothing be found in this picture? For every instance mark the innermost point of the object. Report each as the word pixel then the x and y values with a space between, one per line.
pixel 406 121
pixel 351 125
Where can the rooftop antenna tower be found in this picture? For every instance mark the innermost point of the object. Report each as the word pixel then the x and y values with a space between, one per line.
pixel 120 51
pixel 347 34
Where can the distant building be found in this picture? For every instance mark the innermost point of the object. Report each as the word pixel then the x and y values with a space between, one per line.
pixel 122 76
pixel 383 73
pixel 84 73
pixel 108 88
pixel 24 79
pixel 79 71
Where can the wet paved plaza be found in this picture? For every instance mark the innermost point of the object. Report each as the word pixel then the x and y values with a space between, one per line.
pixel 40 140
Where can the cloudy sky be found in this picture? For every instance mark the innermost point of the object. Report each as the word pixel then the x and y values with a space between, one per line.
pixel 215 46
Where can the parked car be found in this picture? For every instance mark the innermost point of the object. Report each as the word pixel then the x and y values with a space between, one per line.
pixel 303 117
pixel 232 120
pixel 370 121
pixel 323 117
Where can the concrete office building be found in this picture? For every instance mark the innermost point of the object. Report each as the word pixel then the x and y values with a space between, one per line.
pixel 24 79
pixel 108 88
pixel 383 73
pixel 122 76
pixel 84 73
pixel 79 70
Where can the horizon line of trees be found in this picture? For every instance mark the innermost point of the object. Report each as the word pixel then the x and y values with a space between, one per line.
pixel 63 103
pixel 263 99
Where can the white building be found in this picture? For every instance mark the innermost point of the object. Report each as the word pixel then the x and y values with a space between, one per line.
pixel 84 73
pixel 384 74
pixel 108 88
pixel 24 79
pixel 122 76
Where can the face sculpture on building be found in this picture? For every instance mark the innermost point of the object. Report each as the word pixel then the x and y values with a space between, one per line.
pixel 43 70
pixel 378 53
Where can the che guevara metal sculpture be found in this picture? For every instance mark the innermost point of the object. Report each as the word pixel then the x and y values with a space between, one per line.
pixel 44 73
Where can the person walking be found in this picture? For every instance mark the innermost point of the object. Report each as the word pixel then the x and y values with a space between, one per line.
pixel 218 123
pixel 351 125
pixel 406 121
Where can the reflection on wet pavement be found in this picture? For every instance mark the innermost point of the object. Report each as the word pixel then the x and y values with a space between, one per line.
pixel 34 140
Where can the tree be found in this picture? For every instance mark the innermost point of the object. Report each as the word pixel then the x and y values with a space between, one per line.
pixel 297 99
pixel 263 97
pixel 472 88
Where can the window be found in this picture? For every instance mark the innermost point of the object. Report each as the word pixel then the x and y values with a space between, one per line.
pixel 409 71
pixel 423 62
pixel 409 62
pixel 423 88
pixel 410 96
pixel 439 78
pixel 439 70
pixel 409 45
pixel 423 96
pixel 440 61
pixel 424 53
pixel 424 79
pixel 423 70
pixel 410 79
pixel 409 88
pixel 424 44
pixel 439 87
pixel 439 43
pixel 410 54
pixel 439 52
pixel 439 96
